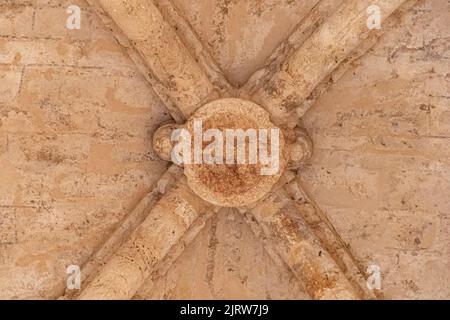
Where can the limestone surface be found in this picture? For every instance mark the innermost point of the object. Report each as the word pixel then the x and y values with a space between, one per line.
pixel 82 172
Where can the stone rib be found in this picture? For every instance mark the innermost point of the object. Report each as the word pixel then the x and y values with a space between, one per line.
pixel 158 52
pixel 130 223
pixel 323 229
pixel 292 239
pixel 132 263
pixel 320 55
pixel 305 28
pixel 195 46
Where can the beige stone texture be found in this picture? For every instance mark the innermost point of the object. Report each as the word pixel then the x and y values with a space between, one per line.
pixel 169 61
pixel 76 121
pixel 242 34
pixel 123 274
pixel 77 117
pixel 230 263
pixel 380 162
pixel 289 234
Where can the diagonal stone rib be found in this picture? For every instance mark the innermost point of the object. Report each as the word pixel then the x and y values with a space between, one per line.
pixel 329 238
pixel 126 227
pixel 388 25
pixel 135 260
pixel 305 28
pixel 195 46
pixel 171 69
pixel 175 252
pixel 322 53
pixel 289 235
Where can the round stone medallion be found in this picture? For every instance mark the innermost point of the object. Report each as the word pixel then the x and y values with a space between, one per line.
pixel 251 157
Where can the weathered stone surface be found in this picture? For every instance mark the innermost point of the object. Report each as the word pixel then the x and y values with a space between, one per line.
pixel 75 151
pixel 329 46
pixel 289 234
pixel 225 261
pixel 242 34
pixel 235 185
pixel 380 163
pixel 163 52
pixel 132 263
pixel 77 117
